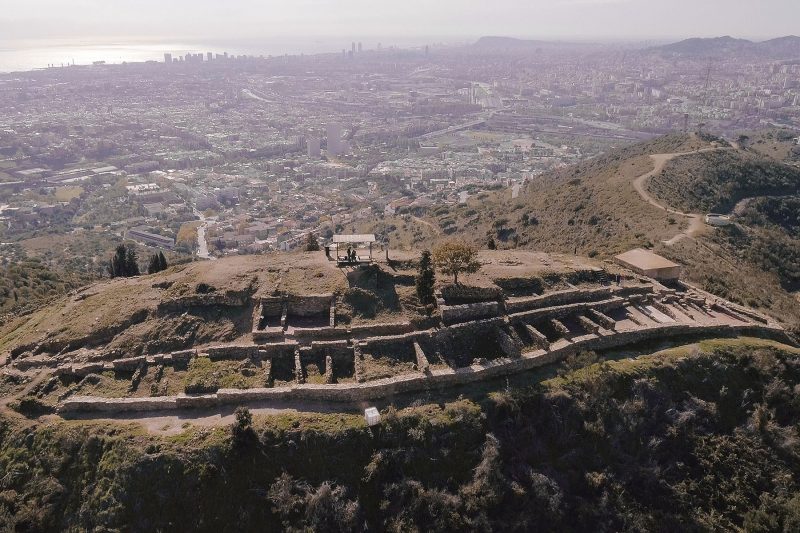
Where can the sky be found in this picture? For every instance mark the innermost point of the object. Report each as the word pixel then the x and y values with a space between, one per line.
pixel 90 20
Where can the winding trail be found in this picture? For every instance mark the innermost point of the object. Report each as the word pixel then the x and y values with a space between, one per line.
pixel 436 229
pixel 696 223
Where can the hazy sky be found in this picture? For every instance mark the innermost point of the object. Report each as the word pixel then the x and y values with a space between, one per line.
pixel 229 19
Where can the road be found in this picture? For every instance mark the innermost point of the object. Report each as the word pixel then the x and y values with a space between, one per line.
pixel 202 244
pixel 696 223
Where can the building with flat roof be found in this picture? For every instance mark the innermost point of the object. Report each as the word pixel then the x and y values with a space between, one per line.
pixel 151 239
pixel 648 264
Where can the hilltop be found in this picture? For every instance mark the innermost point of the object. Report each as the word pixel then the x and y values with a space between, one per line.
pixel 787 47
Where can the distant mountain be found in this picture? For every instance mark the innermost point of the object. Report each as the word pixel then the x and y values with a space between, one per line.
pixel 779 48
pixel 788 47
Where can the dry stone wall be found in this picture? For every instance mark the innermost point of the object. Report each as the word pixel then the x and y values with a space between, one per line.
pixel 409 383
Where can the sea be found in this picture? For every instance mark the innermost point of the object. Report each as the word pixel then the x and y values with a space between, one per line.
pixel 24 55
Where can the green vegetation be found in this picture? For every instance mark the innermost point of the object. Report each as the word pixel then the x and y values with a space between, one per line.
pixel 312 244
pixel 455 257
pixel 27 282
pixel 426 279
pixel 157 263
pixel 699 438
pixel 124 263
pixel 715 181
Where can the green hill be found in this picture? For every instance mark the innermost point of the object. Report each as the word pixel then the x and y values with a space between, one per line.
pixel 715 181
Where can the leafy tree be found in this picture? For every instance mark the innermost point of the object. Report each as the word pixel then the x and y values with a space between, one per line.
pixel 312 245
pixel 455 257
pixel 426 277
pixel 117 265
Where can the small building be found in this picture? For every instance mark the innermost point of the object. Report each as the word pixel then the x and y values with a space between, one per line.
pixel 371 416
pixel 715 219
pixel 150 239
pixel 648 264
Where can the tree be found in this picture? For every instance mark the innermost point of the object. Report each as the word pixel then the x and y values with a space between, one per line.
pixel 157 263
pixel 242 430
pixel 426 277
pixel 131 263
pixel 153 266
pixel 455 257
pixel 124 264
pixel 117 266
pixel 312 245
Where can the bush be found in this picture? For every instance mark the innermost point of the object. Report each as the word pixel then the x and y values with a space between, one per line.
pixel 365 303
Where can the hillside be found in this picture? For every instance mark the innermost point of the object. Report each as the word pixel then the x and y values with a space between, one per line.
pixel 787 47
pixel 589 208
pixel 696 438
pixel 716 181
pixel 593 209
pixel 160 312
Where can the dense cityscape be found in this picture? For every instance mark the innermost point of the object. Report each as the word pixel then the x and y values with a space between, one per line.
pixel 215 154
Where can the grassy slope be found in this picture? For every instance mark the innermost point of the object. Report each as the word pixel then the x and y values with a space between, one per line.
pixel 124 312
pixel 698 438
pixel 590 207
pixel 593 209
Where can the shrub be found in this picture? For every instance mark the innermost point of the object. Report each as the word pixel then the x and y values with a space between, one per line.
pixel 365 303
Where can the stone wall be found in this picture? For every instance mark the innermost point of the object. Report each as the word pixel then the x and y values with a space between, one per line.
pixel 452 314
pixel 309 304
pixel 561 311
pixel 224 299
pixel 409 383
pixel 556 298
pixel 461 294
pixel 231 352
pixel 271 306
pixel 386 328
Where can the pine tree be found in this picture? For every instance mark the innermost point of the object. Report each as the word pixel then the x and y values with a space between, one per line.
pixel 118 265
pixel 153 266
pixel 162 261
pixel 425 280
pixel 131 263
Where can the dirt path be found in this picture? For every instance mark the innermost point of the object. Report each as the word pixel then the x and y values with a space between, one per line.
pixel 174 422
pixel 436 229
pixel 696 223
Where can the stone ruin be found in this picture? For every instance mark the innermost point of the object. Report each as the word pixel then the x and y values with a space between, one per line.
pixel 301 353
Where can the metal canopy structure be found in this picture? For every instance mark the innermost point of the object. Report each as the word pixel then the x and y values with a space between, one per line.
pixel 352 241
